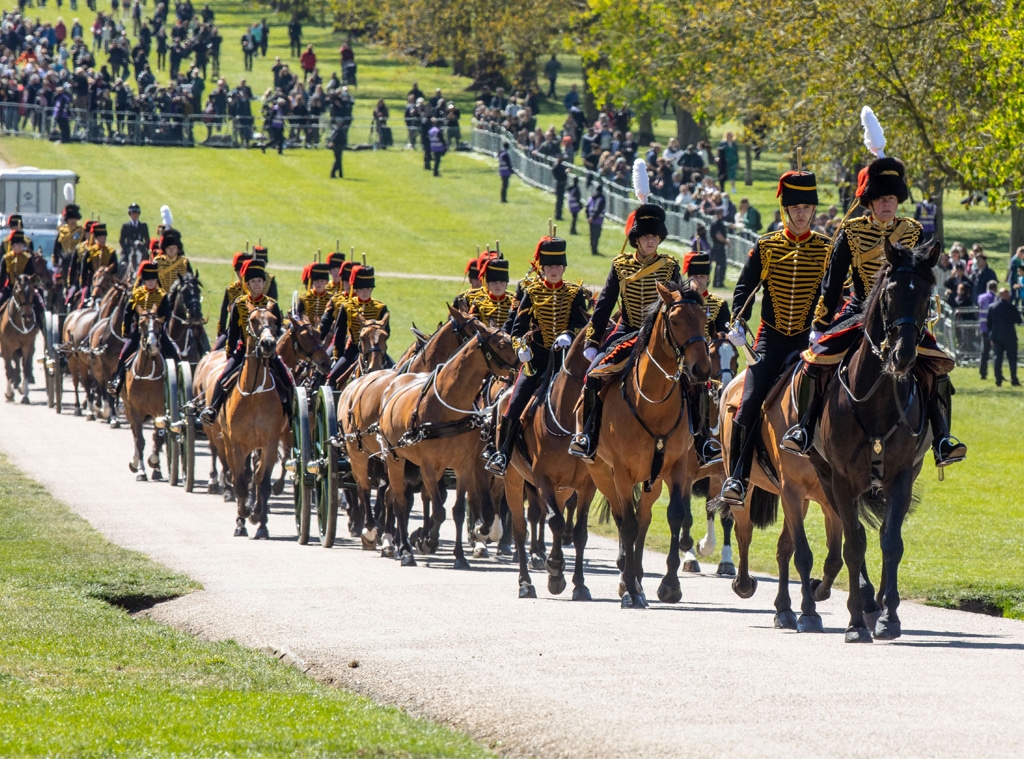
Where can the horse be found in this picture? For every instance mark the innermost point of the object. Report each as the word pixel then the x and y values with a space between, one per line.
pixel 792 478
pixel 302 351
pixel 545 462
pixel 186 325
pixel 208 370
pixel 645 435
pixel 105 343
pixel 874 433
pixel 253 420
pixel 428 423
pixel 143 394
pixel 18 330
pixel 75 339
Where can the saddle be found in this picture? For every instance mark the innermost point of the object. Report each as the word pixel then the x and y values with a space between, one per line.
pixel 616 359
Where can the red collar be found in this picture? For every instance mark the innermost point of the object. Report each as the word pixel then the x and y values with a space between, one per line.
pixel 496 298
pixel 790 236
pixel 256 300
pixel 360 300
pixel 555 286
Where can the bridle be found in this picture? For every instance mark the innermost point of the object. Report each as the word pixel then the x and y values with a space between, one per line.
pixel 491 356
pixel 883 351
pixel 257 341
pixel 677 349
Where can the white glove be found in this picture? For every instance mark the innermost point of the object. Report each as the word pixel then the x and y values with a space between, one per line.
pixel 590 353
pixel 563 341
pixel 525 355
pixel 737 336
pixel 816 336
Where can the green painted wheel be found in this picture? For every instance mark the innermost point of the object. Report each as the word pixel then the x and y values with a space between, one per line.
pixel 187 436
pixel 301 448
pixel 172 418
pixel 326 476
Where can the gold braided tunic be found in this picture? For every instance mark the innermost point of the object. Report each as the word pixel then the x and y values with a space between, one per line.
pixel 496 310
pixel 68 238
pixel 635 284
pixel 718 315
pixel 858 250
pixel 100 256
pixel 553 309
pixel 168 269
pixel 315 305
pixel 357 310
pixel 16 263
pixel 142 301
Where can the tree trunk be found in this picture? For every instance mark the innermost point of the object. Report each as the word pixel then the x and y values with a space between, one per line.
pixel 688 130
pixel 645 129
pixel 589 104
pixel 1016 224
pixel 748 175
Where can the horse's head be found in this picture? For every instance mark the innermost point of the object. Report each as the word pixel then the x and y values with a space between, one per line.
pixel 685 319
pixel 373 343
pixel 188 291
pixel 724 361
pixel 307 343
pixel 22 292
pixel 102 281
pixel 900 300
pixel 260 328
pixel 149 325
pixel 496 346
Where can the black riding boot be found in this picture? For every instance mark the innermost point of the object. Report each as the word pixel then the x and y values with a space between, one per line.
pixel 489 447
pixel 209 414
pixel 584 442
pixel 800 437
pixel 706 447
pixel 948 450
pixel 508 431
pixel 734 490
pixel 117 382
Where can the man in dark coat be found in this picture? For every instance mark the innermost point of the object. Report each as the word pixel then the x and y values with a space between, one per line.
pixel 1003 318
pixel 133 231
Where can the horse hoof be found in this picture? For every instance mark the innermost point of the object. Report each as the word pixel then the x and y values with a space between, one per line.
pixel 637 601
pixel 277 487
pixel 461 563
pixel 581 593
pixel 91 417
pixel 254 517
pixel 785 620
pixel 229 496
pixel 9 398
pixel 141 477
pixel 622 589
pixel 858 635
pixel 537 563
pixel 505 549
pixel 480 551
pixel 556 584
pixel 115 424
pixel 262 533
pixel 367 544
pixel 744 591
pixel 241 532
pixel 810 623
pixel 157 476
pixel 153 461
pixel 819 591
pixel 24 401
pixel 871 618
pixel 213 489
pixel 408 560
pixel 692 566
pixel 727 569
pixel 886 629
pixel 669 594
pixel 527 591
pixel 132 467
pixel 78 411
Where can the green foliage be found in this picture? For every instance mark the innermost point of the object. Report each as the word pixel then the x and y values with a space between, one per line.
pixel 79 677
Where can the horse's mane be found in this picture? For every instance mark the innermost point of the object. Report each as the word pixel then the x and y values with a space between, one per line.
pixel 647 328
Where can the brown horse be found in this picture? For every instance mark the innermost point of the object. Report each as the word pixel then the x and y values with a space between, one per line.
pixel 105 343
pixel 792 478
pixel 75 339
pixel 645 435
pixel 544 461
pixel 301 349
pixel 143 394
pixel 207 371
pixel 428 423
pixel 18 330
pixel 252 420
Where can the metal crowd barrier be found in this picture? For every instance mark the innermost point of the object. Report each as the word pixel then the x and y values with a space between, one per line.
pixel 959 332
pixel 682 225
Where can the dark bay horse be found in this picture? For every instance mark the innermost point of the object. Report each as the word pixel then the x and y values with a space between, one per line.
pixel 645 435
pixel 18 330
pixel 874 432
pixel 204 378
pixel 186 327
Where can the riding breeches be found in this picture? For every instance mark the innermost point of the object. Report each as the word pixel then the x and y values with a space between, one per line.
pixel 774 348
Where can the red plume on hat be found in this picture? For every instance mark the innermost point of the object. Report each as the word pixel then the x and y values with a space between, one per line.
pixel 306 271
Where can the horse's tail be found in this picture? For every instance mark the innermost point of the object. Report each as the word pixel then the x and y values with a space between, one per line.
pixel 871 508
pixel 701 486
pixel 603 507
pixel 764 508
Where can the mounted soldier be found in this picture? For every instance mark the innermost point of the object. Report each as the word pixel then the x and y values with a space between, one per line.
pixel 262 255
pixel 789 265
pixel 232 293
pixel 170 262
pixel 314 300
pixel 254 276
pixel 492 303
pixel 549 315
pixel 100 256
pixel 17 262
pixel 335 260
pixel 858 252
pixel 345 319
pixel 147 297
pixel 69 235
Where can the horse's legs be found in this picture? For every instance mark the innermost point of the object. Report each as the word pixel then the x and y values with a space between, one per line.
pixel 27 356
pixel 11 368
pixel 240 477
pixel 785 619
pixel 514 496
pixel 154 455
pixel 139 446
pixel 679 520
pixel 744 585
pixel 841 495
pixel 568 535
pixel 555 563
pixel 579 540
pixel 834 558
pixel 726 565
pixel 264 482
pixel 898 495
pixel 643 518
pixel 538 551
pixel 459 517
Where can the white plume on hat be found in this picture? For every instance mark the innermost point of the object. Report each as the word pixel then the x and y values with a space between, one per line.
pixel 69 192
pixel 874 137
pixel 165 216
pixel 641 182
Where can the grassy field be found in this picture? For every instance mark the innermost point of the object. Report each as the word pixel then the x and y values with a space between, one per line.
pixel 79 677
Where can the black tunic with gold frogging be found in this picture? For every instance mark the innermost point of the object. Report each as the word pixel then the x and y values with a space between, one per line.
pixel 553 310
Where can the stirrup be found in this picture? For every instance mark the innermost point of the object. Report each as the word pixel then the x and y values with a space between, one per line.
pixel 580 447
pixel 796 440
pixel 949 450
pixel 208 415
pixel 734 493
pixel 708 452
pixel 497 464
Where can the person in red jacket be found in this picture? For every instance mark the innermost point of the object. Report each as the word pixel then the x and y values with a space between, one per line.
pixel 308 62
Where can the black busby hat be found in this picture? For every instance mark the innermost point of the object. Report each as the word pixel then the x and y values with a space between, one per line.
pixel 495 270
pixel 17 236
pixel 797 188
pixel 335 259
pixel 319 271
pixel 171 236
pixel 14 221
pixel 696 263
pixel 648 219
pixel 253 269
pixel 71 211
pixel 550 252
pixel 473 268
pixel 362 276
pixel 99 230
pixel 883 176
pixel 148 270
pixel 260 253
pixel 239 259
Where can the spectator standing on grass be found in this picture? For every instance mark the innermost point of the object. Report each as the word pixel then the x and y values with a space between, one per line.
pixel 256 30
pixel 575 203
pixel 926 213
pixel 264 37
pixel 571 99
pixel 982 273
pixel 953 283
pixel 248 49
pixel 560 173
pixel 730 151
pixel 504 170
pixel 295 36
pixel 1015 275
pixel 719 235
pixel 551 69
pixel 748 218
pixel 1003 318
pixel 595 216
pixel 985 300
pixel 308 62
pixel 438 147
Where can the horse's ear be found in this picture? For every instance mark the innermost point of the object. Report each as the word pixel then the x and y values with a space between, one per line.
pixel 890 252
pixel 665 293
pixel 934 251
pixel 455 313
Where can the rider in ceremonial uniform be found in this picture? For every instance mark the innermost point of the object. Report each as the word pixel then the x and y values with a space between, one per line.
pixel 15 262
pixel 492 303
pixel 232 292
pixel 77 264
pixel 346 319
pixel 100 256
pixel 254 276
pixel 14 222
pixel 339 297
pixel 169 261
pixel 858 251
pixel 260 254
pixel 550 313
pixel 146 297
pixel 789 264
pixel 69 235
pixel 314 301
pixel 335 260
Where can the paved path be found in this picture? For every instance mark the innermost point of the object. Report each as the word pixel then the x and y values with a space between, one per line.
pixel 705 678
